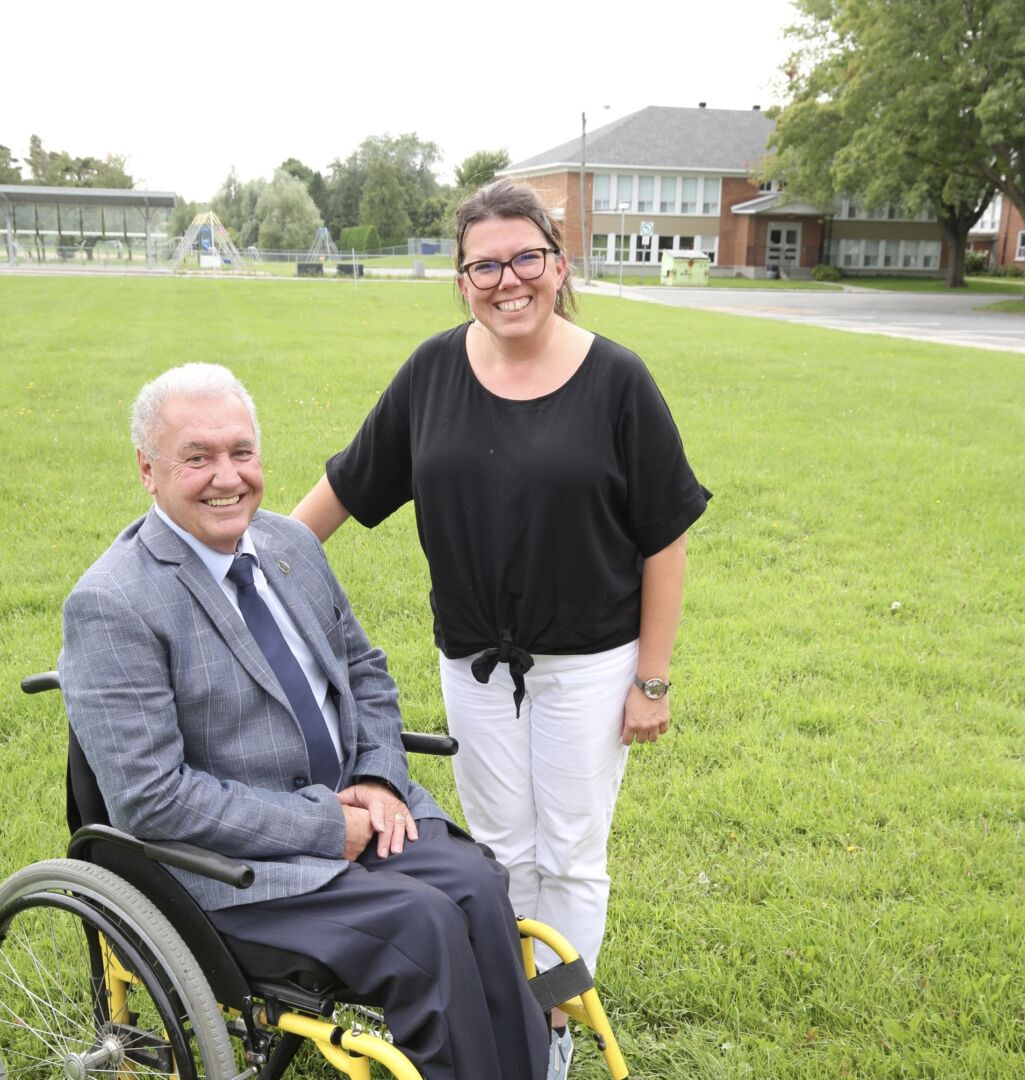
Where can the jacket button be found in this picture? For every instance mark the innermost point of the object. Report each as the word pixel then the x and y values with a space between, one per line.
pixel 300 781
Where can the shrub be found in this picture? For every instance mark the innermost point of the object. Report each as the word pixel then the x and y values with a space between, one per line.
pixel 360 238
pixel 976 262
pixel 825 272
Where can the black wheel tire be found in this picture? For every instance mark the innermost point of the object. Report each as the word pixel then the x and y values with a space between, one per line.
pixel 56 979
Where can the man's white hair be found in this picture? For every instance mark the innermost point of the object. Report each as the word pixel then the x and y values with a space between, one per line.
pixel 192 381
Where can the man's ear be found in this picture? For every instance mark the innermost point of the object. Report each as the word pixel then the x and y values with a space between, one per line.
pixel 146 472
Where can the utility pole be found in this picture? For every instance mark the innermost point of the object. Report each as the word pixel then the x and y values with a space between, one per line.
pixel 584 245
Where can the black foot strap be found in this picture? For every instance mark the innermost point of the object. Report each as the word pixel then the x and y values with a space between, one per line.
pixel 559 984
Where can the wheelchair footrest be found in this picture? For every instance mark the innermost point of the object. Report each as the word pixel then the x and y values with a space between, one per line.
pixel 561 983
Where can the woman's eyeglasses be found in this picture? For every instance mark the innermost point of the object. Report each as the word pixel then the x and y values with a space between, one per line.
pixel 487 273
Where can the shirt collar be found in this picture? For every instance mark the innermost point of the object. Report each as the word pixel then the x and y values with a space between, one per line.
pixel 217 562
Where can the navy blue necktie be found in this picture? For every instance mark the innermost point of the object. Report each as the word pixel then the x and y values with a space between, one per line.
pixel 323 756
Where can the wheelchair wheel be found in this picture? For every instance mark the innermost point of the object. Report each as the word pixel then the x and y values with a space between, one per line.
pixel 95 981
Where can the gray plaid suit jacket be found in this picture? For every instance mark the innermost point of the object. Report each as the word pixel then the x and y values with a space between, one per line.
pixel 185 725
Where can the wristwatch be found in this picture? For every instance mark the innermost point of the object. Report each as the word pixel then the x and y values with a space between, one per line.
pixel 652 688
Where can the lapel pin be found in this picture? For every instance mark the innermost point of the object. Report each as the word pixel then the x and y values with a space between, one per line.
pixel 284 567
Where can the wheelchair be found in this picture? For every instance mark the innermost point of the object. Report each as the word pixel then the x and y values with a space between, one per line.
pixel 109 968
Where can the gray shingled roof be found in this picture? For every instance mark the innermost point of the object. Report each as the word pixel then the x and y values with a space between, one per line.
pixel 723 140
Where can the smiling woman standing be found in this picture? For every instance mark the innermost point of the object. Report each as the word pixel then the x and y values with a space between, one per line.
pixel 552 499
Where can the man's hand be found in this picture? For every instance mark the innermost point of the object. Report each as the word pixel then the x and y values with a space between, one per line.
pixel 644 719
pixel 388 815
pixel 358 831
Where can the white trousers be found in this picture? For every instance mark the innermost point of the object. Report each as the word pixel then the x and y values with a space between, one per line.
pixel 540 790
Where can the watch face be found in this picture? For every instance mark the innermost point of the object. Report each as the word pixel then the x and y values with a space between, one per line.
pixel 655 688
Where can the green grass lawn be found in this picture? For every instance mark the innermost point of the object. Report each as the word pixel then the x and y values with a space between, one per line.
pixel 818 872
pixel 893 283
pixel 1013 307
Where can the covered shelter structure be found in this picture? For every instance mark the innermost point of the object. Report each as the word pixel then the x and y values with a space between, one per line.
pixel 70 219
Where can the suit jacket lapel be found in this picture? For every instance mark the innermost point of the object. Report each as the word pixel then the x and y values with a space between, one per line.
pixel 164 545
pixel 292 596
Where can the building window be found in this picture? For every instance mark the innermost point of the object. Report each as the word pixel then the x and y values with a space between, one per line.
pixel 645 194
pixel 688 196
pixel 601 245
pixel 686 243
pixel 601 191
pixel 624 192
pixel 665 243
pixel 709 244
pixel 667 195
pixel 910 258
pixel 929 251
pixel 622 248
pixel 1019 254
pixel 645 249
pixel 990 220
pixel 870 256
pixel 890 253
pixel 710 195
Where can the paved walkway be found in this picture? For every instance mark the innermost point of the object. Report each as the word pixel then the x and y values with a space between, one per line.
pixel 953 319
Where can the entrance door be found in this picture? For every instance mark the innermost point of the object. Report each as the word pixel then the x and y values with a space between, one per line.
pixel 783 248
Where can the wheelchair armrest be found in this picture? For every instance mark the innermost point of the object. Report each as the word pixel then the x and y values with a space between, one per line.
pixel 198 860
pixel 36 684
pixel 419 742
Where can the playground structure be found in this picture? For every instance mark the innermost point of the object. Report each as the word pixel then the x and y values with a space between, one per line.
pixel 209 238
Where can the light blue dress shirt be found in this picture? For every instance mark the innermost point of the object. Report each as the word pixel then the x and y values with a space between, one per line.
pixel 218 563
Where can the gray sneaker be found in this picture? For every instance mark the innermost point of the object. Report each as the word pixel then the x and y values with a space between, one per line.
pixel 560 1054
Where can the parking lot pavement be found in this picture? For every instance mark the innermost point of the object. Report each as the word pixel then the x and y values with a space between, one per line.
pixel 940 317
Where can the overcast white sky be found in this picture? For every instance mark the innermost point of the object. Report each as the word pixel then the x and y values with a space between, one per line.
pixel 188 89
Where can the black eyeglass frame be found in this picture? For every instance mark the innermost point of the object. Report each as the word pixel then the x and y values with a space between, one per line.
pixel 467 268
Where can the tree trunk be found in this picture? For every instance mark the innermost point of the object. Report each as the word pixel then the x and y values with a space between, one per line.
pixel 956 233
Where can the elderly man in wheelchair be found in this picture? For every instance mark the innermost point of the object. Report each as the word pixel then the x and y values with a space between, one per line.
pixel 250 861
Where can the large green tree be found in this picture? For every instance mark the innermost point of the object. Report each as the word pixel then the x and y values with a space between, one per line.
pixel 384 202
pixel 888 99
pixel 10 171
pixel 58 168
pixel 288 218
pixel 479 168
pixel 313 180
pixel 235 204
pixel 404 164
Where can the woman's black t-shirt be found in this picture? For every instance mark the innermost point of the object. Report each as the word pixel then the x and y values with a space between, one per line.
pixel 535 516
